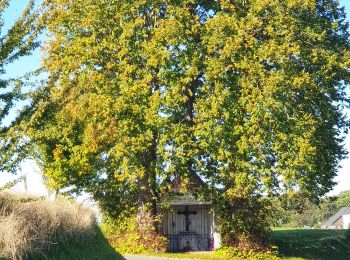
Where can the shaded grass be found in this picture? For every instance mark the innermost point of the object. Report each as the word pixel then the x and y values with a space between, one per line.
pixel 194 255
pixel 312 243
pixel 294 244
pixel 98 248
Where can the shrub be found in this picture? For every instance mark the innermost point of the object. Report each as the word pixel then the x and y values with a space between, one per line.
pixel 33 227
pixel 239 229
pixel 233 252
pixel 126 237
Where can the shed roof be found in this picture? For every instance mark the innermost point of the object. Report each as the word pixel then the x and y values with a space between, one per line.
pixel 336 216
pixel 187 200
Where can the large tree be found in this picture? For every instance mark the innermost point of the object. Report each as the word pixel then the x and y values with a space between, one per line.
pixel 118 108
pixel 245 95
pixel 272 110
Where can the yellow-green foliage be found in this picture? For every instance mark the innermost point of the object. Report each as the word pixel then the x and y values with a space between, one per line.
pixel 233 252
pixel 126 237
pixel 246 95
pixel 17 39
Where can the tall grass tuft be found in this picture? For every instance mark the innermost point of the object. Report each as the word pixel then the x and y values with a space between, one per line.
pixel 33 226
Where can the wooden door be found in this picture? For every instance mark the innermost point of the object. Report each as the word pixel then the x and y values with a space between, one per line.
pixel 188 227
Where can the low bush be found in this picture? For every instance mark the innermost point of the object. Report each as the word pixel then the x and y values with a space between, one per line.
pixel 241 232
pixel 126 237
pixel 33 226
pixel 232 252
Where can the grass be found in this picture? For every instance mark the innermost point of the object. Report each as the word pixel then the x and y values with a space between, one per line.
pixel 96 249
pixel 194 255
pixel 34 228
pixel 294 244
pixel 312 243
pixel 32 225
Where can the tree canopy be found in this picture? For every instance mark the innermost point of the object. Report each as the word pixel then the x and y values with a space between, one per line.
pixel 245 95
pixel 300 211
pixel 15 42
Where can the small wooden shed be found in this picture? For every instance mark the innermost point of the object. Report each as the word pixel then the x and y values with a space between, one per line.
pixel 189 225
pixel 340 220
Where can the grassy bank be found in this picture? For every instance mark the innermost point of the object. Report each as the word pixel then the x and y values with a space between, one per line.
pixel 35 228
pixel 312 243
pixel 194 255
pixel 294 244
pixel 96 249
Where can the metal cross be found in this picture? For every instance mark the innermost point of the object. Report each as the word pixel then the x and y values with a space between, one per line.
pixel 187 214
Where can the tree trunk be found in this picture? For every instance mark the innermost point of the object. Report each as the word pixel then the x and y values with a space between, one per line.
pixel 148 195
pixel 189 121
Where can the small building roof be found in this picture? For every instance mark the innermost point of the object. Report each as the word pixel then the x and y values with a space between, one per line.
pixel 187 200
pixel 336 216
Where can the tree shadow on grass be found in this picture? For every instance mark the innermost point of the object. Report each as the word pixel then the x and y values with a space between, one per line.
pixel 313 243
pixel 96 249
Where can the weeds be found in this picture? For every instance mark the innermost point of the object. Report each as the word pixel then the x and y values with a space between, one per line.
pixel 33 226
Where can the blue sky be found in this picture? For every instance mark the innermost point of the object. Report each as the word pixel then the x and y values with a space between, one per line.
pixel 32 62
pixel 25 64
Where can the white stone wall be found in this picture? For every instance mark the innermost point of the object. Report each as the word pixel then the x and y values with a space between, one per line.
pixel 217 240
pixel 346 221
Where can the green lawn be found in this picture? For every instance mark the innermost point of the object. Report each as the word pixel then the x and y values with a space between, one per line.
pixel 312 243
pixel 98 249
pixel 296 244
pixel 195 255
pixel 292 244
